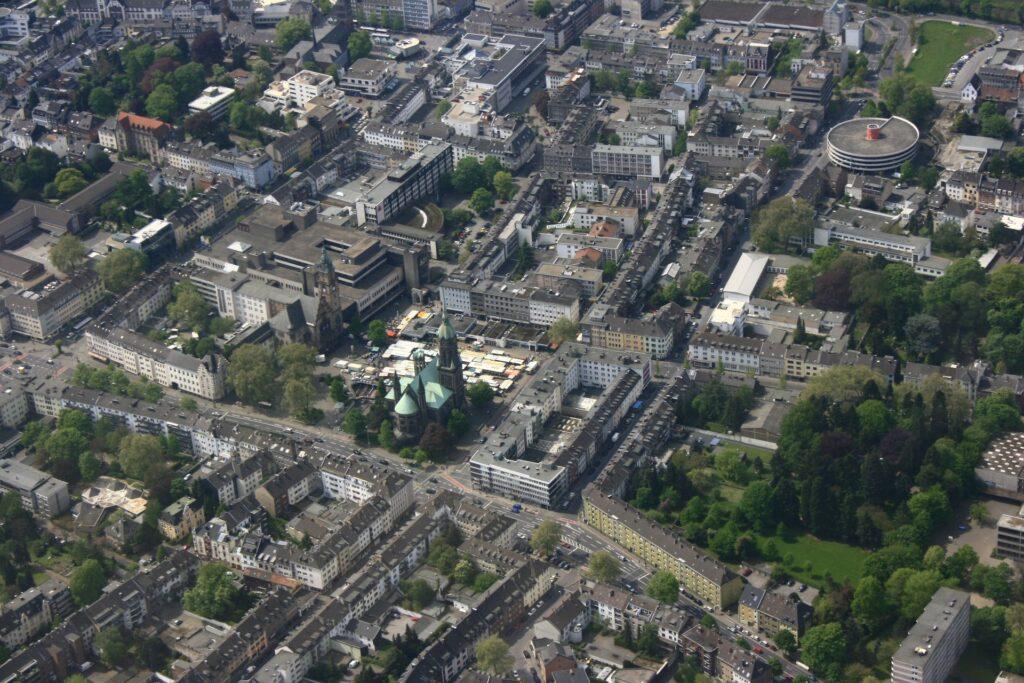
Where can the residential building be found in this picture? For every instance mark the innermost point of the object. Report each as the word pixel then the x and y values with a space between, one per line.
pixel 699 574
pixel 180 518
pixel 936 640
pixel 287 488
pixel 214 100
pixel 41 311
pixel 40 493
pixel 134 134
pixel 654 335
pixel 1010 536
pixel 722 659
pixel 628 161
pixel 486 298
pixel 765 610
pixel 417 15
pixel 203 211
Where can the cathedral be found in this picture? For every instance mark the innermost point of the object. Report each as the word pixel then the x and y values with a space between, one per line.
pixel 437 388
pixel 316 321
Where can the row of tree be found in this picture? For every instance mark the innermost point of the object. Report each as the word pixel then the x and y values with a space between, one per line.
pixel 260 375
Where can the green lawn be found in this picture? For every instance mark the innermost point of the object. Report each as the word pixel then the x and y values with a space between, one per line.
pixel 940 44
pixel 843 562
pixel 39 578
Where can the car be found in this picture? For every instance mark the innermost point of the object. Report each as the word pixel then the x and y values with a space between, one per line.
pixel 962 527
pixel 803 587
pixel 430 492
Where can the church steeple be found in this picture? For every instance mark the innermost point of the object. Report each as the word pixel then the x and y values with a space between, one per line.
pixel 449 362
pixel 329 320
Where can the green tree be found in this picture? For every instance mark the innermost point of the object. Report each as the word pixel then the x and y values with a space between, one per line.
pixel 377 332
pixel 980 514
pixel 120 270
pixel 563 330
pixel 418 594
pixel 504 186
pixel 162 103
pixel 1012 657
pixel 67 253
pixel 188 403
pixel 188 308
pixel 786 641
pixel 291 31
pixel 481 201
pixel 339 390
pixel 903 95
pixel 299 395
pixel 101 102
pixel 68 181
pixel 215 594
pixel 780 223
pixel 870 607
pixel 480 394
pixel 779 154
pixel 698 285
pixel 89 466
pixel 87 582
pixel 469 176
pixel 546 537
pixel 207 48
pixel 800 283
pixel 543 8
pixel 386 435
pixel 663 586
pixel 458 423
pixel 137 452
pixel 355 423
pixel 492 656
pixel 359 45
pixel 603 567
pixel 112 645
pixel 252 374
pixel 824 649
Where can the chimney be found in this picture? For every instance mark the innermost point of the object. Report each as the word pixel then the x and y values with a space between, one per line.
pixel 873 131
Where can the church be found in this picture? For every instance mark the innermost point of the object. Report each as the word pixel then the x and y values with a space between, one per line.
pixel 437 388
pixel 317 322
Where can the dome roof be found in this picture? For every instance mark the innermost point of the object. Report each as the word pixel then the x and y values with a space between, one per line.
pixel 407 406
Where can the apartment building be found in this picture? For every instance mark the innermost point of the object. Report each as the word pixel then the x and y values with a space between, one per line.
pixel 40 493
pixel 214 100
pixel 722 659
pixel 654 335
pixel 586 214
pixel 419 15
pixel 32 611
pixel 569 244
pixel 1010 536
pixel 41 311
pixel 254 168
pixel 134 134
pixel 936 640
pixel 180 518
pixel 620 610
pixel 699 574
pixel 203 211
pixel 628 161
pixel 368 77
pixel 1001 195
pixel 237 478
pixel 770 612
pixel 486 298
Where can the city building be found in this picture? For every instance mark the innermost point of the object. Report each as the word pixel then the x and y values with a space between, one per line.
pixel 180 518
pixel 368 77
pixel 502 67
pixel 215 101
pixel 771 612
pixel 936 640
pixel 654 335
pixel 628 161
pixel 134 134
pixel 40 493
pixel 486 298
pixel 872 145
pixel 41 311
pixel 417 15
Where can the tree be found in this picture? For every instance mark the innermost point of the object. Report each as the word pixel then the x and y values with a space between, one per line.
pixel 663 586
pixel 120 270
pixel 339 390
pixel 546 537
pixel 469 176
pixel 458 423
pixel 112 646
pixel 699 285
pixel 824 649
pixel 87 582
pixel 480 394
pixel 68 181
pixel 481 201
pixel 359 45
pixel 904 96
pixel 377 332
pixel 291 31
pixel 779 154
pixel 418 594
pixel 436 441
pixel 543 8
pixel 207 49
pixel 162 103
pixel 1012 657
pixel 923 334
pixel 153 653
pixel 758 506
pixel 299 395
pixel 980 514
pixel 252 374
pixel 101 102
pixel 786 641
pixel 89 466
pixel 780 222
pixel 386 435
pixel 355 423
pixel 137 453
pixel 870 607
pixel 67 253
pixel 603 567
pixel 563 330
pixel 492 656
pixel 504 186
pixel 189 308
pixel 215 594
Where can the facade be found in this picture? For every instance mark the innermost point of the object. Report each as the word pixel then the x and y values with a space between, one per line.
pixel 761 610
pixel 654 335
pixel 180 518
pixel 40 493
pixel 368 77
pixel 42 311
pixel 936 640
pixel 437 388
pixel 698 574
pixel 628 161
pixel 1010 537
pixel 485 298
pixel 134 134
pixel 419 15
pixel 215 101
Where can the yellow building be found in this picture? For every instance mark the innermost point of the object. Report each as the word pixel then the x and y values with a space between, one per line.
pixel 769 612
pixel 180 518
pixel 699 574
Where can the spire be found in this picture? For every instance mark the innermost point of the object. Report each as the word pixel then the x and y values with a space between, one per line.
pixel 325 259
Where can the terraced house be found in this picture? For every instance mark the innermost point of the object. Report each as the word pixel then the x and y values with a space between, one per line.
pixel 699 575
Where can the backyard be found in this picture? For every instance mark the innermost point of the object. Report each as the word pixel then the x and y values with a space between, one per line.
pixel 939 45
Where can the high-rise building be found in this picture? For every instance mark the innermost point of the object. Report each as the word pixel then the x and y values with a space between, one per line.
pixel 936 640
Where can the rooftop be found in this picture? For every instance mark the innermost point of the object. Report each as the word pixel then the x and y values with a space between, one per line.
pixel 894 135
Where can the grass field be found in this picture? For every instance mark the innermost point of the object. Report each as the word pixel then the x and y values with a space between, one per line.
pixel 843 562
pixel 940 44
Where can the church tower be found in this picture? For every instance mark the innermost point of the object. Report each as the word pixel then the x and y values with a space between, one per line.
pixel 449 363
pixel 329 319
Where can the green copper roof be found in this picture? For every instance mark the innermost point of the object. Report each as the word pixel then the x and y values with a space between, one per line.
pixel 435 394
pixel 446 331
pixel 407 406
